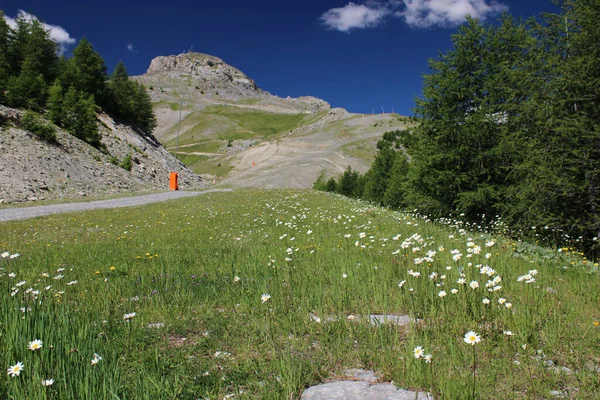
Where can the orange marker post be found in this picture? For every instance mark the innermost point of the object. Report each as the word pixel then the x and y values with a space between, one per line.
pixel 173 181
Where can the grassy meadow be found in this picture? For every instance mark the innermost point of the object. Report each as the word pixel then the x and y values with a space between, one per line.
pixel 260 294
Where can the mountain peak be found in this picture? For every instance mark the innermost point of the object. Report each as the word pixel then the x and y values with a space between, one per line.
pixel 202 67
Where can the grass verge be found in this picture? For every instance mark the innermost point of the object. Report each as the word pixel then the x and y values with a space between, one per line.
pixel 260 294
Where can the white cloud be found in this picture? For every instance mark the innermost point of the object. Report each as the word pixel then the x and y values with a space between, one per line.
pixel 415 13
pixel 130 47
pixel 428 13
pixel 57 33
pixel 354 16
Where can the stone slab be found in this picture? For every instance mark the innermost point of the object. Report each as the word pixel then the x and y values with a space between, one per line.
pixel 359 390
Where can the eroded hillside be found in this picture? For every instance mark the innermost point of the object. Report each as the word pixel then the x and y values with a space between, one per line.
pixel 236 134
pixel 32 169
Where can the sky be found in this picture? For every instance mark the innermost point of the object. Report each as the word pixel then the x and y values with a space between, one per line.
pixel 365 56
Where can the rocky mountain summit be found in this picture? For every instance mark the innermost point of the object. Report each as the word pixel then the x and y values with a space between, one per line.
pixel 207 69
pixel 32 169
pixel 202 78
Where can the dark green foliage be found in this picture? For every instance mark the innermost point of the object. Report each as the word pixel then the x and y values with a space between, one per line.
pixel 331 186
pixel 558 181
pixel 75 111
pixel 396 185
pixel 79 116
pixel 376 180
pixel 87 72
pixel 28 90
pixel 470 118
pixel 31 48
pixel 348 185
pixel 31 122
pixel 55 103
pixel 126 163
pixel 4 55
pixel 143 118
pixel 33 76
pixel 130 101
pixel 509 125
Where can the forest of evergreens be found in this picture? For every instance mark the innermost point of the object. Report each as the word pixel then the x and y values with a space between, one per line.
pixel 508 127
pixel 70 91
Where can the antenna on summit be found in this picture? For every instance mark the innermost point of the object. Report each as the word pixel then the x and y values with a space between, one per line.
pixel 382 111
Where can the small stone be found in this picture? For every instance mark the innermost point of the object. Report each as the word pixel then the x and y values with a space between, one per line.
pixel 380 319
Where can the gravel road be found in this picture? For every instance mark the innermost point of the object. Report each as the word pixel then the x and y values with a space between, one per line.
pixel 9 214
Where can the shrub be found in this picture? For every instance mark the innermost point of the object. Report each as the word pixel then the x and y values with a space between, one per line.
pixel 35 125
pixel 331 185
pixel 126 164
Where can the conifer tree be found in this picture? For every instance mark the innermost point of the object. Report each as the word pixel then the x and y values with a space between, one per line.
pixel 88 71
pixel 79 116
pixel 396 185
pixel 5 32
pixel 130 101
pixel 55 103
pixel 348 182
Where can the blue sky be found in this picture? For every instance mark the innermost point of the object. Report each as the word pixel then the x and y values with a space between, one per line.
pixel 360 55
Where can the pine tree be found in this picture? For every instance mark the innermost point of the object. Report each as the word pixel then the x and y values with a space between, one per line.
pixel 32 60
pixel 88 71
pixel 55 103
pixel 348 183
pixel 79 116
pixel 5 33
pixel 557 183
pixel 331 185
pixel 396 186
pixel 471 118
pixel 130 101
pixel 121 95
pixel 32 49
pixel 28 90
pixel 144 117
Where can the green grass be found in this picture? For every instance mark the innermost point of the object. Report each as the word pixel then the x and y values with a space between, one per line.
pixel 262 124
pixel 204 146
pixel 200 332
pixel 363 149
pixel 229 122
pixel 191 159
pixel 248 101
pixel 206 165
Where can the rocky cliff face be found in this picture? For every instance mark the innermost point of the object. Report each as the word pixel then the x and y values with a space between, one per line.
pixel 31 169
pixel 202 78
pixel 207 71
